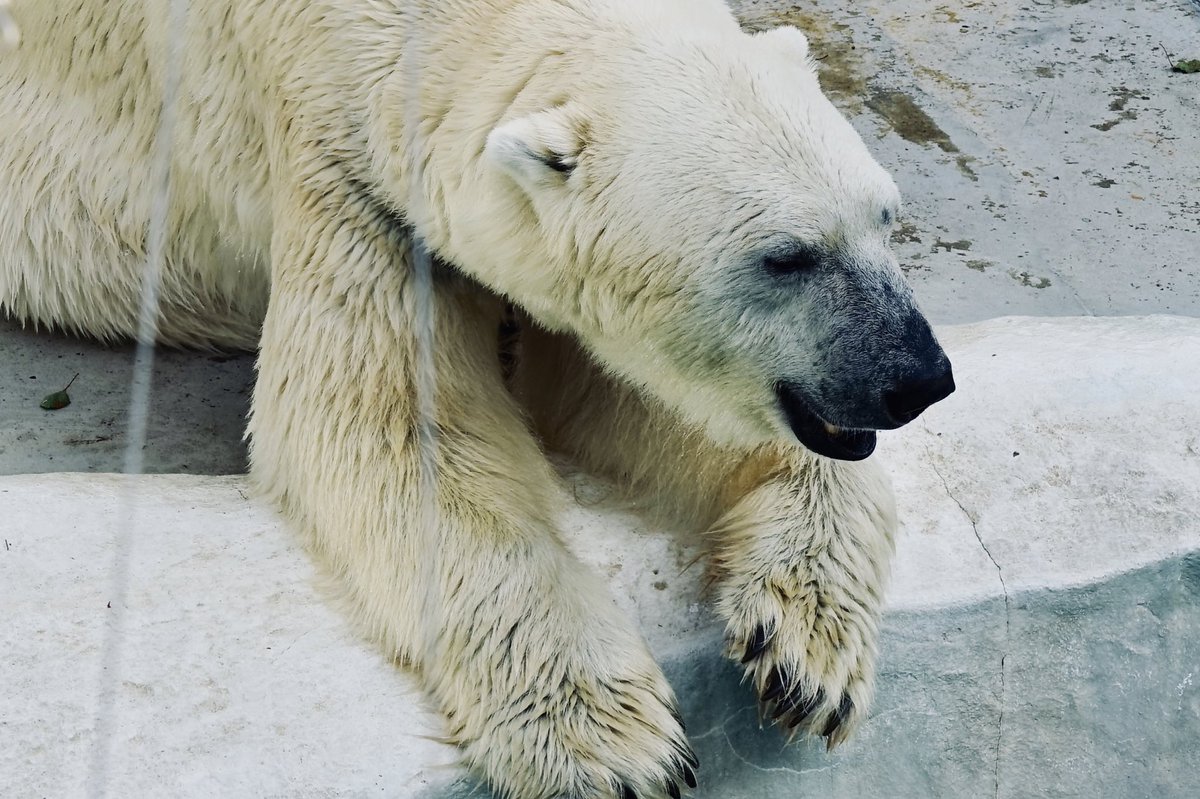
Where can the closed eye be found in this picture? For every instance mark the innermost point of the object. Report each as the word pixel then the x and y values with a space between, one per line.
pixel 886 218
pixel 792 261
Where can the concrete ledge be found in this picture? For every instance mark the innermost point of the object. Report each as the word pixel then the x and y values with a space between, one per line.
pixel 1043 639
pixel 1069 453
pixel 232 676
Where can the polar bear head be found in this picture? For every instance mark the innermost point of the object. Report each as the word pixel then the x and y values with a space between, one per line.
pixel 714 230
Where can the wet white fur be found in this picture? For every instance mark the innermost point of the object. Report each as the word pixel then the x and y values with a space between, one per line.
pixel 10 34
pixel 298 177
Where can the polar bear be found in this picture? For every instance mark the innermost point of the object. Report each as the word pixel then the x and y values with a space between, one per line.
pixel 697 246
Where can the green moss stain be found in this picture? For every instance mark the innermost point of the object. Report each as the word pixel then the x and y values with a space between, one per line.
pixel 909 120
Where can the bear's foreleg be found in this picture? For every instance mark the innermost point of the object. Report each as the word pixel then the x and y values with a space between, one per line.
pixel 804 560
pixel 549 690
pixel 801 544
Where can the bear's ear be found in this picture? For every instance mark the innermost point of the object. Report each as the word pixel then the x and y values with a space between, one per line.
pixel 541 149
pixel 790 41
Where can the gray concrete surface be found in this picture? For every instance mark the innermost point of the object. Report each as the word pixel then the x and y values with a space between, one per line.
pixel 197 411
pixel 1048 154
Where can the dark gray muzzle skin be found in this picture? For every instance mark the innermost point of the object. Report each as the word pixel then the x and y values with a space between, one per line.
pixel 927 380
pixel 881 363
pixel 838 335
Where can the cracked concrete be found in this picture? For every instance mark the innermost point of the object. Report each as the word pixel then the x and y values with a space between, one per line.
pixel 1007 615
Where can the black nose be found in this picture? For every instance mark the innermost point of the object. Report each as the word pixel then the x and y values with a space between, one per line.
pixel 914 394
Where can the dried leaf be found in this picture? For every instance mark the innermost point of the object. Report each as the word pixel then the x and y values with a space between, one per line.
pixel 59 399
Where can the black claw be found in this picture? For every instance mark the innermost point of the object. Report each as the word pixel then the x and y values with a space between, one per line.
pixel 673 789
pixel 831 726
pixel 805 708
pixel 689 755
pixel 790 702
pixel 775 684
pixel 678 718
pixel 628 793
pixel 844 708
pixel 689 776
pixel 757 644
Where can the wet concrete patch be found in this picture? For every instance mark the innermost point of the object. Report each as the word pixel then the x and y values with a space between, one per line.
pixel 1029 281
pixel 947 246
pixel 839 61
pixel 913 124
pixel 909 120
pixel 906 233
pixel 843 75
pixel 1121 97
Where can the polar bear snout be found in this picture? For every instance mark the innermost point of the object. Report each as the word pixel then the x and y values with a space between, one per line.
pixel 882 391
pixel 913 393
pixel 920 374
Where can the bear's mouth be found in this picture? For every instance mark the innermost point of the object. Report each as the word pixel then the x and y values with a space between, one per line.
pixel 820 436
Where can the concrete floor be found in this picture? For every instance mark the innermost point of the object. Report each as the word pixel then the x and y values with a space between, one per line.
pixel 198 407
pixel 1047 152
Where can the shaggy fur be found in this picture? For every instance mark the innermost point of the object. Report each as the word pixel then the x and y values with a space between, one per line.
pixel 620 170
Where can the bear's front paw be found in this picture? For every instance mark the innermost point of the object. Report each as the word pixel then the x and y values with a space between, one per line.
pixel 600 724
pixel 801 592
pixel 810 658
